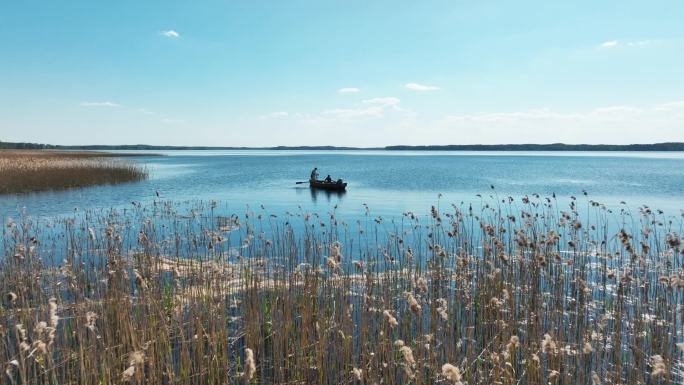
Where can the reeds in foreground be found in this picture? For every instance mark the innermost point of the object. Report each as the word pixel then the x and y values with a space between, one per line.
pixel 509 293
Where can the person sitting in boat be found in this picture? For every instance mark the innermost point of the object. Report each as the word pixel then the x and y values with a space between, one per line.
pixel 314 174
pixel 328 179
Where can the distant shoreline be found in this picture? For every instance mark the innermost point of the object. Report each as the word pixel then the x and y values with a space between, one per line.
pixel 667 146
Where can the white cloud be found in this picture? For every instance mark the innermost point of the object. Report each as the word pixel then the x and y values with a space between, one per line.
pixel 419 87
pixel 385 120
pixel 612 113
pixel 369 108
pixel 172 121
pixel 99 104
pixel 374 108
pixel 611 124
pixel 348 90
pixel 505 117
pixel 145 111
pixel 599 114
pixel 389 101
pixel 671 106
pixel 618 43
pixel 378 123
pixel 609 44
pixel 639 43
pixel 170 33
pixel 352 113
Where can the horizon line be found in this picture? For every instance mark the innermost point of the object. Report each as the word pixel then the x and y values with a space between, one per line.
pixel 658 146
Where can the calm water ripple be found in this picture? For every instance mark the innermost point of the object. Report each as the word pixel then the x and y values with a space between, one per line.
pixel 389 182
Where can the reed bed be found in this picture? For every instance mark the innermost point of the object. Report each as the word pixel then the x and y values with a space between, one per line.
pixel 39 170
pixel 509 292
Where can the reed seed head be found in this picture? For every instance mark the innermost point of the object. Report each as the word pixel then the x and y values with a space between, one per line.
pixel 390 319
pixel 250 365
pixel 452 373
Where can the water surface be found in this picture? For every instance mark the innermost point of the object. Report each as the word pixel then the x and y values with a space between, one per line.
pixel 389 182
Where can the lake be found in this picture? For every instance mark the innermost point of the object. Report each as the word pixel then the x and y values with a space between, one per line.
pixel 608 285
pixel 389 182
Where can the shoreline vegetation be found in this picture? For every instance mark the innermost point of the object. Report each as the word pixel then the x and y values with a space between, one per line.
pixel 515 292
pixel 667 146
pixel 23 171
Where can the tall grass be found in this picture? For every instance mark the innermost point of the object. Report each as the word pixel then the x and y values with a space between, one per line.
pixel 511 292
pixel 35 170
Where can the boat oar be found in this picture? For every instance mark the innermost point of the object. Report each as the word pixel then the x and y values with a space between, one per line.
pixel 301 182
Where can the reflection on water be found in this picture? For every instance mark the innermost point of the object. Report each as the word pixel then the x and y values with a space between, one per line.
pixel 329 195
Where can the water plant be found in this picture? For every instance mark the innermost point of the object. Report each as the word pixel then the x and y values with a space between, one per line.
pixel 24 171
pixel 511 291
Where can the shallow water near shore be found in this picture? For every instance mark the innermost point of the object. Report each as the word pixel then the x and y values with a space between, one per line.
pixel 387 182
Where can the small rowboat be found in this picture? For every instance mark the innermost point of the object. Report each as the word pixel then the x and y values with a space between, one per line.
pixel 332 186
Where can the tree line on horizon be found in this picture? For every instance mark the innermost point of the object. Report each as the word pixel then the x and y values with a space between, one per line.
pixel 666 146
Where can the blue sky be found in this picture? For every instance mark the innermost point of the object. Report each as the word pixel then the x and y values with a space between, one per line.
pixel 360 73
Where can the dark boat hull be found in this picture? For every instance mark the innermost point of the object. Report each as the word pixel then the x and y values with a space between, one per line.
pixel 333 186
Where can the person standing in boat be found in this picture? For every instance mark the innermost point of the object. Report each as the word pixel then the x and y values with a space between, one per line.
pixel 314 174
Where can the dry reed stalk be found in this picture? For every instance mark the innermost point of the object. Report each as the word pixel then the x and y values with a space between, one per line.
pixel 40 170
pixel 171 298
